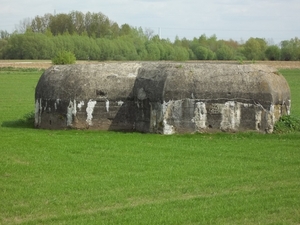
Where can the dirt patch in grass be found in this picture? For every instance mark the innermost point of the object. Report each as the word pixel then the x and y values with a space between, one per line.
pixel 25 64
pixel 44 64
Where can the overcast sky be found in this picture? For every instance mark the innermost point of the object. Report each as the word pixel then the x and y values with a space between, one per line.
pixel 275 20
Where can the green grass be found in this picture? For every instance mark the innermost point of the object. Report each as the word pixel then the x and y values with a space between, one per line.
pixel 92 177
pixel 293 78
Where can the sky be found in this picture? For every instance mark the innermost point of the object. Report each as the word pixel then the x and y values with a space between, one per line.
pixel 273 20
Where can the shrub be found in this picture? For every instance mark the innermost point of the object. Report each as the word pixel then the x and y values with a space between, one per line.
pixel 273 53
pixel 64 57
pixel 201 53
pixel 225 53
pixel 287 124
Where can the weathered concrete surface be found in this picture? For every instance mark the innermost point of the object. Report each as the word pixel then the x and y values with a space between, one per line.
pixel 161 97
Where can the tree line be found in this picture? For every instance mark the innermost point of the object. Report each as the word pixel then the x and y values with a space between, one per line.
pixel 93 36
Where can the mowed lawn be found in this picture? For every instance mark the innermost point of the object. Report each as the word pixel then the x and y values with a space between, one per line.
pixel 93 177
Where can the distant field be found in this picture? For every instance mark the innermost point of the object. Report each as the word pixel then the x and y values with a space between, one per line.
pixel 44 64
pixel 92 177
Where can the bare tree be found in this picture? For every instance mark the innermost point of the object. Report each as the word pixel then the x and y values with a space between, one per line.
pixel 149 33
pixel 23 25
pixel 4 34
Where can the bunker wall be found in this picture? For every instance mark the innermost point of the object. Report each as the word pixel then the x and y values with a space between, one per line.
pixel 162 98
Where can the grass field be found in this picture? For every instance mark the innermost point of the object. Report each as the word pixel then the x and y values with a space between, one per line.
pixel 92 177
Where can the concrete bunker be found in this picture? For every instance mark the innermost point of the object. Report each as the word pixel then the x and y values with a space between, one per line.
pixel 161 97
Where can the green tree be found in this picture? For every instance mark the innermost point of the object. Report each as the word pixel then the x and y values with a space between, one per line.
pixel 286 51
pixel 77 19
pixel 273 53
pixel 210 55
pixel 107 47
pixel 41 24
pixel 125 29
pixel 290 50
pixel 254 49
pixel 125 48
pixel 167 50
pixel 153 50
pixel 94 49
pixel 38 25
pixel 180 54
pixel 61 23
pixel 212 43
pixel 63 42
pixel 225 53
pixel 202 40
pixel 3 44
pixel 201 48
pixel 192 55
pixel 185 43
pixel 161 46
pixel 4 34
pixel 115 30
pixel 201 53
pixel 82 47
pixel 97 25
pixel 23 46
pixel 139 39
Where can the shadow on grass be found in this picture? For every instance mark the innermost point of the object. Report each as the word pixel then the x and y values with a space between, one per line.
pixel 26 122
